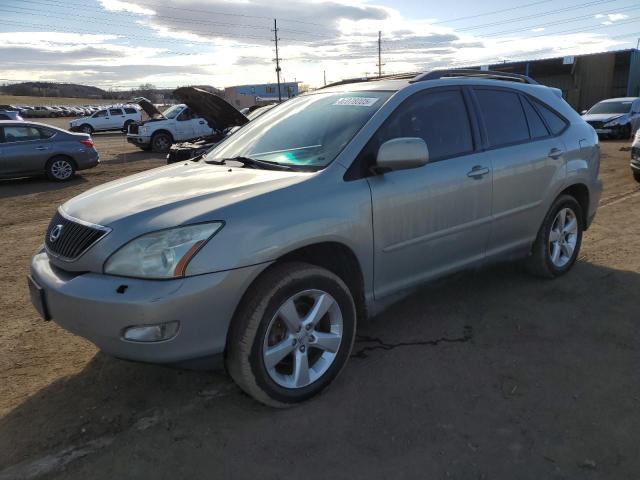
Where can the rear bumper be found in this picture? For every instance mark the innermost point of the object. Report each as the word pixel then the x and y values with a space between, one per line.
pixel 90 306
pixel 594 196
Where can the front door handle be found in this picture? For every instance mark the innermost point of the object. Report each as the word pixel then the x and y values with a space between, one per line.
pixel 555 153
pixel 478 172
pixel 42 148
pixel 201 122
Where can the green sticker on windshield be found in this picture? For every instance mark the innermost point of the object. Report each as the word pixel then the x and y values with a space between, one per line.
pixel 356 101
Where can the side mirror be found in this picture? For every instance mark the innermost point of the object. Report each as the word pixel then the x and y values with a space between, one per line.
pixel 583 112
pixel 402 153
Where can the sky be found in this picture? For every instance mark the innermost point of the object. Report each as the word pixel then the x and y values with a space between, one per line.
pixel 121 44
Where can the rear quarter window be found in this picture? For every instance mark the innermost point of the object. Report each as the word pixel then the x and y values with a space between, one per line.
pixel 554 121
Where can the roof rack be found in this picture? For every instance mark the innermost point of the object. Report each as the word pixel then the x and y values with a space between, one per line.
pixel 394 76
pixel 486 74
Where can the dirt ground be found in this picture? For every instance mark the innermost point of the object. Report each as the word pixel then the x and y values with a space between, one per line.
pixel 490 374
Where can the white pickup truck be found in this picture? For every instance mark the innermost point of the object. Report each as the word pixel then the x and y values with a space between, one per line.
pixel 175 124
pixel 109 118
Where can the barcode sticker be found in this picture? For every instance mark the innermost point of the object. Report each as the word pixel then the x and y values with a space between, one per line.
pixel 356 101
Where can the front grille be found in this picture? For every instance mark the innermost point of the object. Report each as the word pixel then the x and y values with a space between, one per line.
pixel 69 239
pixel 133 128
pixel 596 124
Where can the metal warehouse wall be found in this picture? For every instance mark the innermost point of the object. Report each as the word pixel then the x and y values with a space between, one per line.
pixel 589 79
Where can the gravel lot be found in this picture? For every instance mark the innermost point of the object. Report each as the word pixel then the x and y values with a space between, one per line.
pixel 489 374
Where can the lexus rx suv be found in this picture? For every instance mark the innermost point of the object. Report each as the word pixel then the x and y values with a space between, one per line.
pixel 267 251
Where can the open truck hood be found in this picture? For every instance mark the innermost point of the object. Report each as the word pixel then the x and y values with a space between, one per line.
pixel 218 113
pixel 149 108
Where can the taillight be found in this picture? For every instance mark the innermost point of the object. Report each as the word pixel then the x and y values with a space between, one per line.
pixel 87 142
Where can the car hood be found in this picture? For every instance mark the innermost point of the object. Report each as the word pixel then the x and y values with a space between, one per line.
pixel 149 108
pixel 176 194
pixel 218 113
pixel 601 117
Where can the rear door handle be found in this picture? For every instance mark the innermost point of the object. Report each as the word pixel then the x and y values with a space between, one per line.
pixel 201 122
pixel 555 153
pixel 478 172
pixel 42 148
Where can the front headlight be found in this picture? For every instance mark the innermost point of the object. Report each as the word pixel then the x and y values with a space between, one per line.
pixel 143 130
pixel 163 254
pixel 615 122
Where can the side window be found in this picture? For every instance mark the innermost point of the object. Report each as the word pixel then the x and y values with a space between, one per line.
pixel 46 133
pixel 440 118
pixel 100 113
pixel 115 111
pixel 130 111
pixel 503 117
pixel 536 125
pixel 21 134
pixel 555 122
pixel 185 115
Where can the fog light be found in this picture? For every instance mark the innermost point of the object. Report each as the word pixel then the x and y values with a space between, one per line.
pixel 151 333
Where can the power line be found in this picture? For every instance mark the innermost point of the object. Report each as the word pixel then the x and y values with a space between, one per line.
pixel 491 12
pixel 536 15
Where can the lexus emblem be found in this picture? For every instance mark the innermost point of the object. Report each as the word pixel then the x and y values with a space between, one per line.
pixel 55 233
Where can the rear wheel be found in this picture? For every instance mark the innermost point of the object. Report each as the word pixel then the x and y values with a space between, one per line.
pixel 161 142
pixel 559 238
pixel 60 169
pixel 292 334
pixel 125 127
pixel 636 176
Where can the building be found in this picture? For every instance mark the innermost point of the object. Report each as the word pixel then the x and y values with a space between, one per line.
pixel 583 79
pixel 242 96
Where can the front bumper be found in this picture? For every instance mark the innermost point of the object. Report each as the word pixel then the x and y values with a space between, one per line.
pixel 139 140
pixel 89 305
pixel 635 159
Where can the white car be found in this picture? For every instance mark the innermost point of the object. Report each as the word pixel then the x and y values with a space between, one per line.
pixel 111 118
pixel 176 124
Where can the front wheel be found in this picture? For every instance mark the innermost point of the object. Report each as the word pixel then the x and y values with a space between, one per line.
pixel 86 128
pixel 559 238
pixel 161 142
pixel 292 334
pixel 636 176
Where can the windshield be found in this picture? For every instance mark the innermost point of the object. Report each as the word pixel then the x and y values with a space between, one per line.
pixel 306 131
pixel 173 111
pixel 611 107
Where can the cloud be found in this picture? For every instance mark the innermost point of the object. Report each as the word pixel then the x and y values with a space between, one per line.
pixel 611 17
pixel 219 42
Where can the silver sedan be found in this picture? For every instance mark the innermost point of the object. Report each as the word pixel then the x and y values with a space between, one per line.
pixel 29 148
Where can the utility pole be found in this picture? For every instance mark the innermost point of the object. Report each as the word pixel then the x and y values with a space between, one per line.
pixel 324 74
pixel 380 54
pixel 277 59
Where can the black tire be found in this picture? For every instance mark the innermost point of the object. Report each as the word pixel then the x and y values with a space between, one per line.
pixel 60 169
pixel 125 127
pixel 245 342
pixel 539 262
pixel 636 176
pixel 86 128
pixel 625 133
pixel 161 142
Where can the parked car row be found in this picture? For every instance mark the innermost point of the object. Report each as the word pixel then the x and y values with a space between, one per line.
pixel 53 111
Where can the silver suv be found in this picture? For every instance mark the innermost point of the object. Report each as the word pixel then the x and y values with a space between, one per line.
pixel 315 215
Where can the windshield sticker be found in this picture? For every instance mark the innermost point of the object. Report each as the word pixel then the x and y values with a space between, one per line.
pixel 356 101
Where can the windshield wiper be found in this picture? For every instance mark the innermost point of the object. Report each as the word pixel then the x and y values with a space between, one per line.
pixel 251 162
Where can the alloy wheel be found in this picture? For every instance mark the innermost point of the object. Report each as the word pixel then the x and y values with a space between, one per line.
pixel 563 237
pixel 302 339
pixel 61 169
